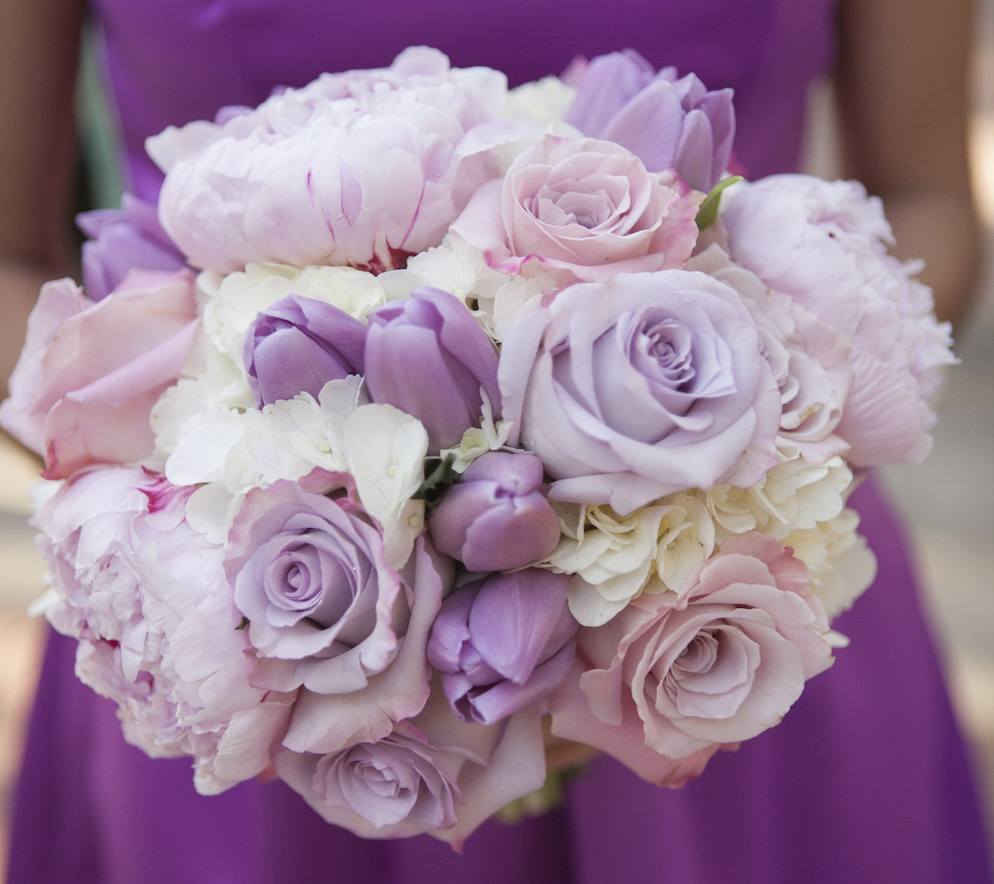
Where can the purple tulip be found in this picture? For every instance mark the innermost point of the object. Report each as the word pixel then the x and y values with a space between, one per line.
pixel 121 240
pixel 503 643
pixel 297 345
pixel 666 122
pixel 497 518
pixel 429 357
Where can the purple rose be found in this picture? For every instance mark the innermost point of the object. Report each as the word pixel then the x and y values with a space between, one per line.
pixel 503 643
pixel 310 576
pixel 433 774
pixel 399 780
pixel 496 518
pixel 429 357
pixel 122 240
pixel 297 345
pixel 666 122
pixel 640 387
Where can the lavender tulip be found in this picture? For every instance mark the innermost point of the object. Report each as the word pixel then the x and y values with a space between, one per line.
pixel 503 643
pixel 122 240
pixel 497 518
pixel 666 122
pixel 429 357
pixel 299 344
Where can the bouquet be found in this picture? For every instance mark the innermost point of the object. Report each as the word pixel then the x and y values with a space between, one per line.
pixel 420 411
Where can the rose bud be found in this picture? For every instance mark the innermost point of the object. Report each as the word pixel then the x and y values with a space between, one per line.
pixel 121 240
pixel 666 122
pixel 429 357
pixel 297 345
pixel 503 643
pixel 496 518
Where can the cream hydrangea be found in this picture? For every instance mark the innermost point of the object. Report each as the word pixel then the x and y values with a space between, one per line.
pixel 842 566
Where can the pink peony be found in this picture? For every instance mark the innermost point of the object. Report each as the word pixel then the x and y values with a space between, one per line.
pixel 585 209
pixel 717 663
pixel 825 244
pixel 360 168
pixel 646 385
pixel 90 372
pixel 148 600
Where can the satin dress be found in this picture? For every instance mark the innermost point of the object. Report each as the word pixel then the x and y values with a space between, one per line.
pixel 866 780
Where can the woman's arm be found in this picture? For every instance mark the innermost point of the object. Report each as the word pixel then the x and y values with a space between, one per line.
pixel 903 90
pixel 39 41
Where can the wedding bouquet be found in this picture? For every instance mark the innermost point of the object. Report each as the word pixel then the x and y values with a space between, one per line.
pixel 419 410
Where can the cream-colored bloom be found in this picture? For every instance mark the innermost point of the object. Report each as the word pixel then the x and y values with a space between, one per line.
pixel 610 556
pixel 543 101
pixel 233 301
pixel 686 538
pixel 793 495
pixel 385 451
pixel 842 566
pixel 496 299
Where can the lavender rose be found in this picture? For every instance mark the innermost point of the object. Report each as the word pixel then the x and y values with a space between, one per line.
pixel 122 240
pixel 309 574
pixel 646 385
pixel 432 774
pixel 585 209
pixel 297 345
pixel 666 122
pixel 503 643
pixel 496 518
pixel 720 663
pixel 429 357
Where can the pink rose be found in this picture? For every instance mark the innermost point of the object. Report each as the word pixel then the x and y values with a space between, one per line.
pixel 90 373
pixel 825 244
pixel 586 209
pixel 718 663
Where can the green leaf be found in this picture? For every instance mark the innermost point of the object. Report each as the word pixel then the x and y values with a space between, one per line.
pixel 709 208
pixel 436 482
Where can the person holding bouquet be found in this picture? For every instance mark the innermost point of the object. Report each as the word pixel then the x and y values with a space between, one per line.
pixel 865 779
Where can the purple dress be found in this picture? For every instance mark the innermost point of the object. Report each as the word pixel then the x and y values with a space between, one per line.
pixel 865 780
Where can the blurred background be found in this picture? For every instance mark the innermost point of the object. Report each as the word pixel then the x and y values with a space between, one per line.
pixel 948 502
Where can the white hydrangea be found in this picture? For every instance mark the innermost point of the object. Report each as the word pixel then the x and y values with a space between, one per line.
pixel 842 566
pixel 496 299
pixel 795 494
pixel 233 301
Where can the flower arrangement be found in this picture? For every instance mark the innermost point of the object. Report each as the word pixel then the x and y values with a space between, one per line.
pixel 420 410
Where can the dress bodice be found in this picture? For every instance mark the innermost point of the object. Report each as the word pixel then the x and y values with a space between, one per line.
pixel 170 63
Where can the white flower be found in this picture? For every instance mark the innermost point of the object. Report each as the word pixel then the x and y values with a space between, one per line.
pixel 609 555
pixel 385 451
pixel 289 438
pixel 235 300
pixel 543 101
pixel 842 566
pixel 686 538
pixel 793 495
pixel 496 299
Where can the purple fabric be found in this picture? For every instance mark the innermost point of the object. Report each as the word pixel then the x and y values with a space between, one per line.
pixel 178 61
pixel 866 780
